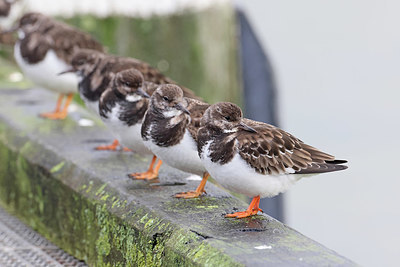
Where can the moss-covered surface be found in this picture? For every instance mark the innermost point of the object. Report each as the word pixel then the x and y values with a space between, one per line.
pixel 90 223
pixel 82 200
pixel 87 229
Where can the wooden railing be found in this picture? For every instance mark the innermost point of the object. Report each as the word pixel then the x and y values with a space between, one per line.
pixel 83 201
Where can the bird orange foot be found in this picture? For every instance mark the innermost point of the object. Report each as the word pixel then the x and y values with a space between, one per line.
pixel 113 147
pixel 54 115
pixel 253 209
pixel 243 214
pixel 189 194
pixel 150 174
pixel 199 190
pixel 59 114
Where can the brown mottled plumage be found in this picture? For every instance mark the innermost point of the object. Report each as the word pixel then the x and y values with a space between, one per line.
pixel 122 107
pixel 268 150
pixel 272 150
pixel 126 83
pixel 97 69
pixel 255 158
pixel 44 49
pixel 169 130
pixel 42 33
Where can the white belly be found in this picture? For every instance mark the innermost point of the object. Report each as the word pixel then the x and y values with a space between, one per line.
pixel 93 106
pixel 182 156
pixel 128 136
pixel 239 177
pixel 45 73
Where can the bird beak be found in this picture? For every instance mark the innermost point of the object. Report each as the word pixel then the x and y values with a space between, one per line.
pixel 66 71
pixel 141 92
pixel 180 107
pixel 246 127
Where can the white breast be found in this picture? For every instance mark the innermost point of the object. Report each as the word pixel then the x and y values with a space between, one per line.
pixel 45 73
pixel 182 156
pixel 93 106
pixel 129 136
pixel 239 177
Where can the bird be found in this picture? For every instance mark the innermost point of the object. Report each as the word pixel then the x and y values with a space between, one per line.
pixel 45 48
pixel 96 70
pixel 255 158
pixel 169 130
pixel 122 107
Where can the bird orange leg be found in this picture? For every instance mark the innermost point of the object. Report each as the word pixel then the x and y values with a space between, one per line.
pixel 112 147
pixel 59 114
pixel 253 209
pixel 151 173
pixel 58 107
pixel 199 190
pixel 115 144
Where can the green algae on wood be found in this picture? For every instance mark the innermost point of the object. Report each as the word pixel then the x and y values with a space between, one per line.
pixel 57 167
pixel 84 203
pixel 98 237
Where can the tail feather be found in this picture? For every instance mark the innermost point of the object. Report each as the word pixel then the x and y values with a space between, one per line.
pixel 328 166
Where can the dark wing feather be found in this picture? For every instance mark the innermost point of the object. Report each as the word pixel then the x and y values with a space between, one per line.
pixel 150 87
pixel 34 47
pixel 67 39
pixel 196 109
pixel 60 37
pixel 152 74
pixel 106 102
pixel 274 151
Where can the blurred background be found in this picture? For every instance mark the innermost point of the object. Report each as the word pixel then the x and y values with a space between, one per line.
pixel 331 73
pixel 337 65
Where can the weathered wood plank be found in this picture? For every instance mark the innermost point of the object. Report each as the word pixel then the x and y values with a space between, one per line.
pixel 83 201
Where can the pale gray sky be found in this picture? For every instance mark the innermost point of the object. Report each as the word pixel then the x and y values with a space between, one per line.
pixel 337 65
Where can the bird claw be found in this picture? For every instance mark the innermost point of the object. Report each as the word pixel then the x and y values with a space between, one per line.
pixel 54 115
pixel 149 175
pixel 189 194
pixel 243 214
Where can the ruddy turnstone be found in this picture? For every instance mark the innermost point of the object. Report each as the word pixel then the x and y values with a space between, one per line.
pixel 93 80
pixel 44 49
pixel 122 107
pixel 169 130
pixel 254 158
pixel 95 71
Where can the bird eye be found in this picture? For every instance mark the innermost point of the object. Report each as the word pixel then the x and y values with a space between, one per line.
pixel 165 98
pixel 127 83
pixel 228 118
